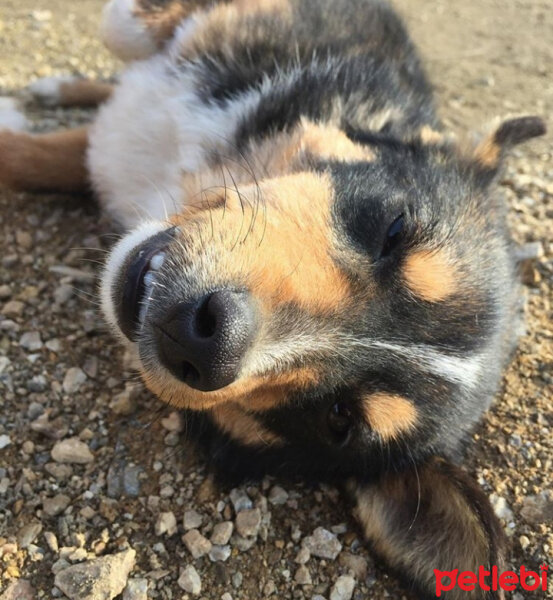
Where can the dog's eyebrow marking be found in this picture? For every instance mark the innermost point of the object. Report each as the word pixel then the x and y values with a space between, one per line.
pixel 389 415
pixel 430 275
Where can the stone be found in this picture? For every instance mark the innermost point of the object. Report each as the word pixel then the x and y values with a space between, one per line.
pixel 196 543
pixel 137 589
pixel 5 292
pixel 221 533
pixel 31 341
pixel 73 380
pixel 14 308
pixel 24 239
pixel 5 441
pixel 303 556
pixel 356 564
pixel 72 451
pixel 166 524
pixel 323 544
pixel 219 553
pixel 524 542
pixel 124 403
pixel 240 500
pixel 56 505
pixel 303 576
pixel 19 590
pixel 538 509
pixel 52 541
pixel 173 423
pixel 192 520
pixel 278 496
pixel 56 429
pixel 190 581
pixel 343 588
pixel 5 362
pixel 500 507
pixel 248 522
pixel 98 579
pixel 28 534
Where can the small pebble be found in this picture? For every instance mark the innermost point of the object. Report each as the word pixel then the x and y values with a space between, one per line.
pixel 343 588
pixel 190 581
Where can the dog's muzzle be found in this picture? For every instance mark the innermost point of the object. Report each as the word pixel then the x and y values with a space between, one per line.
pixel 201 340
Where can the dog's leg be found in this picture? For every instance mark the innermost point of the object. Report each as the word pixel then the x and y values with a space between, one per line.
pixel 50 162
pixel 137 29
pixel 69 91
pixel 430 524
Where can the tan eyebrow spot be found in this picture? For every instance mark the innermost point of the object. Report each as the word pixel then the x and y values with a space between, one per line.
pixel 430 136
pixel 330 143
pixel 430 275
pixel 389 415
pixel 243 427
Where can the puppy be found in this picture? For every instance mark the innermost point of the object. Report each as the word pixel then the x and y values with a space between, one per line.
pixel 312 269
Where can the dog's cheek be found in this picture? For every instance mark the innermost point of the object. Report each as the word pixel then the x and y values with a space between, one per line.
pixel 433 517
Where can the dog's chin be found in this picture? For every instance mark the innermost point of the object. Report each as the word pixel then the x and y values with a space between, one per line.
pixel 127 277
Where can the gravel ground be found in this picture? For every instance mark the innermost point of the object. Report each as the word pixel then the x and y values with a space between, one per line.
pixel 83 498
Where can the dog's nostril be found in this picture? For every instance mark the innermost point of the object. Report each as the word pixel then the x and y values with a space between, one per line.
pixel 206 319
pixel 189 374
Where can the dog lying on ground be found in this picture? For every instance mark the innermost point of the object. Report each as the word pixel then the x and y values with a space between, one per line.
pixel 313 271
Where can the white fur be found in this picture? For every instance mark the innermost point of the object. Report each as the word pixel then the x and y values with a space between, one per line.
pixel 457 369
pixel 124 33
pixel 47 90
pixel 116 260
pixel 11 117
pixel 155 128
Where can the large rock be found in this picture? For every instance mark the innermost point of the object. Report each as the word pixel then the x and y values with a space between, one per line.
pixel 19 590
pixel 72 450
pixel 99 579
pixel 323 544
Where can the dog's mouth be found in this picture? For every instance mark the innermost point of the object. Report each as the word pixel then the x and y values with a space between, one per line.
pixel 138 280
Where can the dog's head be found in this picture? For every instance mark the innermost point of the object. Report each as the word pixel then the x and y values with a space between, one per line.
pixel 364 297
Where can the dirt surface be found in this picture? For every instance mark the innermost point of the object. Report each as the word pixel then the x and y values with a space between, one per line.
pixel 62 377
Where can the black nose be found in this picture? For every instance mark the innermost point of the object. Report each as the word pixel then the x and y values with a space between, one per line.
pixel 202 343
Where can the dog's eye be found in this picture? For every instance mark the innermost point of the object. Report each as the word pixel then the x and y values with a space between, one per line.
pixel 394 235
pixel 339 419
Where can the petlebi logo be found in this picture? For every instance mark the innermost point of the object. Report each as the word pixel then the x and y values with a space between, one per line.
pixel 492 580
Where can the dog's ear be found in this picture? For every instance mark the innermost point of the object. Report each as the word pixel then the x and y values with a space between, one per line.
pixel 433 517
pixel 489 153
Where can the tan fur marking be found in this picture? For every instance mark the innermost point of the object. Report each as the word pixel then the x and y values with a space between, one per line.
pixel 274 156
pixel 330 143
pixel 243 427
pixel 49 162
pixel 277 237
pixel 162 22
pixel 256 394
pixel 83 92
pixel 389 415
pixel 430 275
pixel 430 136
pixel 488 152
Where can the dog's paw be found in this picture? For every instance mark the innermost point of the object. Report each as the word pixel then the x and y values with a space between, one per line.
pixel 11 117
pixel 48 90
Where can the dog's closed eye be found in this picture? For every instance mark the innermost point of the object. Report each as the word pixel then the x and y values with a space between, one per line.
pixel 394 236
